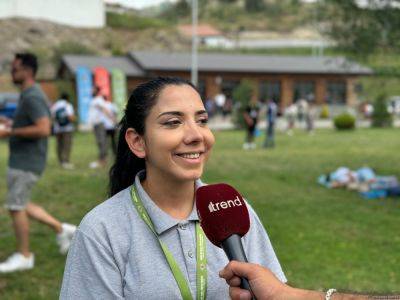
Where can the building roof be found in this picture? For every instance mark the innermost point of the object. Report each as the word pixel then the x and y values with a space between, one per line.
pixel 203 30
pixel 213 62
pixel 124 63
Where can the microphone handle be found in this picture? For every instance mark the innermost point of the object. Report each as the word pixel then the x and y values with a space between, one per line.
pixel 234 250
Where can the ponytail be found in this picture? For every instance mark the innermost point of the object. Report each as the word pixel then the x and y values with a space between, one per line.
pixel 126 166
pixel 143 98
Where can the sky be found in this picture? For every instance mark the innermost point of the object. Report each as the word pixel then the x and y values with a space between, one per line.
pixel 138 4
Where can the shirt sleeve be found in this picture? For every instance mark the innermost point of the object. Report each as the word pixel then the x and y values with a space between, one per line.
pixel 91 271
pixel 258 247
pixel 36 109
pixel 70 110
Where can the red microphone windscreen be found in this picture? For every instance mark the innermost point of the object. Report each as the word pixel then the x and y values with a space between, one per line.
pixel 222 212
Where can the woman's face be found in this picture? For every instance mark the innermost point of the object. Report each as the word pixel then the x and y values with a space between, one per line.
pixel 177 140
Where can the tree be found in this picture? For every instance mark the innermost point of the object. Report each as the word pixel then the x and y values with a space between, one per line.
pixel 254 5
pixel 175 11
pixel 381 116
pixel 362 29
pixel 242 95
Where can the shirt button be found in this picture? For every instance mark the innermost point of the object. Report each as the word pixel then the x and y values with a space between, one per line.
pixel 190 253
pixel 183 226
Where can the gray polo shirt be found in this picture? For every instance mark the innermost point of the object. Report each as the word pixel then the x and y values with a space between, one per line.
pixel 114 255
pixel 29 154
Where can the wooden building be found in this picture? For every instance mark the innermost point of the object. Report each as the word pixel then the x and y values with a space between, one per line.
pixel 285 79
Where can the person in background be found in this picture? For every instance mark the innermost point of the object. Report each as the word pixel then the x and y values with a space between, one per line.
pixel 28 134
pixel 63 116
pixel 210 107
pixel 311 114
pixel 97 116
pixel 227 108
pixel 272 114
pixel 290 114
pixel 220 99
pixel 110 123
pixel 145 242
pixel 302 107
pixel 250 116
pixel 265 286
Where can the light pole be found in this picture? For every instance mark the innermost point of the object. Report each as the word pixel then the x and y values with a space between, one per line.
pixel 194 70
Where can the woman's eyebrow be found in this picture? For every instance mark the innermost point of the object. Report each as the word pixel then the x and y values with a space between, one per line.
pixel 179 113
pixel 174 113
pixel 201 112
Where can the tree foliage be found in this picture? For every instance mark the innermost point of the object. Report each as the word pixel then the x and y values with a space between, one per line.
pixel 180 9
pixel 381 116
pixel 242 95
pixel 362 29
pixel 254 5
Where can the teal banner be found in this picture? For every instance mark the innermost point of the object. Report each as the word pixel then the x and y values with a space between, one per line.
pixel 119 91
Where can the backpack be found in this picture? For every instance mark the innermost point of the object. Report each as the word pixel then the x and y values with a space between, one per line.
pixel 62 117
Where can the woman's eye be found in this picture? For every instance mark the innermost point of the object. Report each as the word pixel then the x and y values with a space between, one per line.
pixel 203 121
pixel 172 123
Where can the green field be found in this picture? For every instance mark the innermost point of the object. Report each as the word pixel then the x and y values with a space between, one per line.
pixel 323 238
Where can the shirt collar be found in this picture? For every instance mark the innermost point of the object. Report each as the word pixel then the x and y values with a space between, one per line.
pixel 28 89
pixel 161 220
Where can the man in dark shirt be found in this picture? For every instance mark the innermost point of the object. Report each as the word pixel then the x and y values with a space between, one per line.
pixel 250 116
pixel 272 113
pixel 28 134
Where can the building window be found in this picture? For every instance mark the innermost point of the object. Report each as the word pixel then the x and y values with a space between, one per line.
pixel 336 92
pixel 228 86
pixel 304 90
pixel 270 90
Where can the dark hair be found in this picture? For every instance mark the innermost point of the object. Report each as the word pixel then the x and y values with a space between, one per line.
pixel 141 101
pixel 28 60
pixel 64 96
pixel 96 90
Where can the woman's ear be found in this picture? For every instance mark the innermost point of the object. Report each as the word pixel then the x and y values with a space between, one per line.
pixel 135 142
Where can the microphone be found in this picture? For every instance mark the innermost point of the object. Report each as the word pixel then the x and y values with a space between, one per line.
pixel 225 219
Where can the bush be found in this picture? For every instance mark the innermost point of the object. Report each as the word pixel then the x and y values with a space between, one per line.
pixel 241 95
pixel 344 121
pixel 380 116
pixel 134 22
pixel 324 112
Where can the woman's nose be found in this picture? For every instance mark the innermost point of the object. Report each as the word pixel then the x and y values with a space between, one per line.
pixel 192 133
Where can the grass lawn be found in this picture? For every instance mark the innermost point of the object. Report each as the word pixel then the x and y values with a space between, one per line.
pixel 323 238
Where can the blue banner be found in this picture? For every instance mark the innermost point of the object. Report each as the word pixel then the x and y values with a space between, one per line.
pixel 84 92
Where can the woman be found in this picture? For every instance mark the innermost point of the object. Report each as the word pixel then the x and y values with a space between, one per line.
pixel 163 146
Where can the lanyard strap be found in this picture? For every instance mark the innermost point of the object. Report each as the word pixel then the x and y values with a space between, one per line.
pixel 201 259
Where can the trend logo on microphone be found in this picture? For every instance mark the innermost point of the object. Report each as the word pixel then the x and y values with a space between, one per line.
pixel 212 207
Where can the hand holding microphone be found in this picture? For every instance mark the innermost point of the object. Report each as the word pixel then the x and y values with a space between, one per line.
pixel 225 219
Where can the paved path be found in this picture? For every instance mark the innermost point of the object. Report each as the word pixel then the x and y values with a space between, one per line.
pixel 218 123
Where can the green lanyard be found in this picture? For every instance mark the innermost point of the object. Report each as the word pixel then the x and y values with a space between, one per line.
pixel 201 260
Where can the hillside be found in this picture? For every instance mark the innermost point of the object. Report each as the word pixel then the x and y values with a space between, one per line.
pixel 49 40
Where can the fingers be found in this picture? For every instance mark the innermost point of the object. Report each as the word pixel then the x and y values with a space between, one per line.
pixel 239 269
pixel 234 281
pixel 238 294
